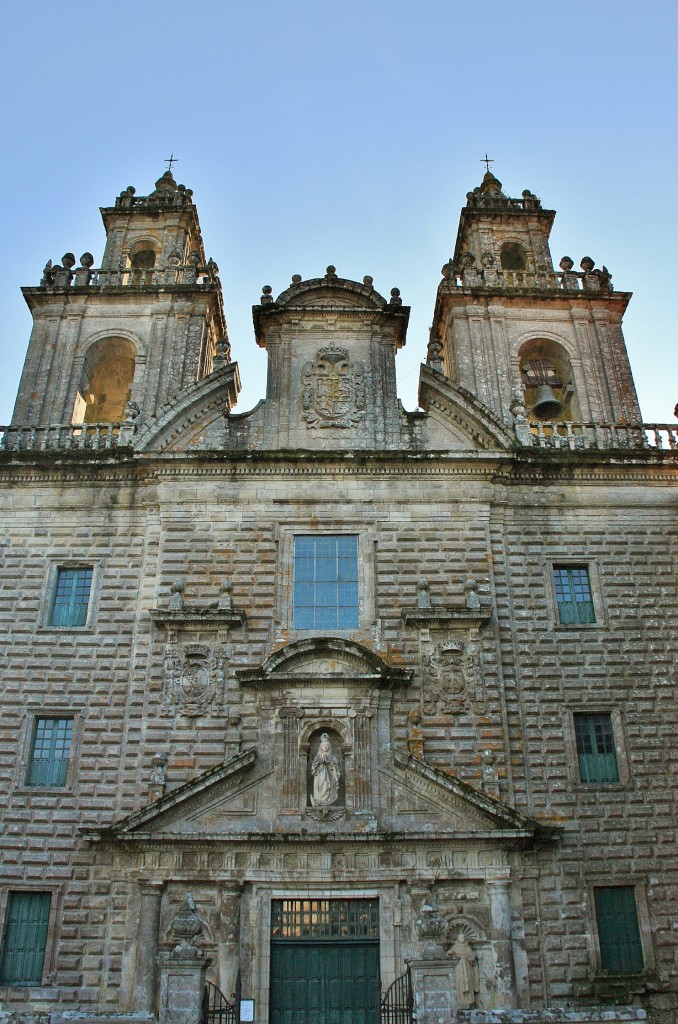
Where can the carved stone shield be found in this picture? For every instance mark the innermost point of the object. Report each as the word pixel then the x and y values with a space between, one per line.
pixel 333 389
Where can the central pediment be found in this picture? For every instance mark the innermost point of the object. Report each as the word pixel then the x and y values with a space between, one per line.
pixel 327 660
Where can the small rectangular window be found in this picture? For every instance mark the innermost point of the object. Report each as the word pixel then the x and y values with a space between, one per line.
pixel 621 951
pixel 51 750
pixel 25 940
pixel 573 594
pixel 596 752
pixel 326 582
pixel 71 597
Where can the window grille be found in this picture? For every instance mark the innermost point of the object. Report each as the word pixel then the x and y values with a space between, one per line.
pixel 326 582
pixel 23 950
pixel 71 597
pixel 573 594
pixel 325 919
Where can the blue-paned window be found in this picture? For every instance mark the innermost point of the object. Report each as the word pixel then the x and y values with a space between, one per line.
pixel 595 748
pixel 573 594
pixel 23 948
pixel 71 597
pixel 621 951
pixel 326 582
pixel 51 750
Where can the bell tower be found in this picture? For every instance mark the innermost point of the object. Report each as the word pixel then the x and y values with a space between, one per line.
pixel 118 341
pixel 512 330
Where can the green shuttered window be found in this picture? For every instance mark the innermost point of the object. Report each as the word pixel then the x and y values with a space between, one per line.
pixel 51 750
pixel 621 951
pixel 71 597
pixel 573 594
pixel 595 748
pixel 326 582
pixel 23 950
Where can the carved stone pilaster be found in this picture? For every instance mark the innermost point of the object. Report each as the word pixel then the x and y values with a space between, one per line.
pixel 146 974
pixel 362 788
pixel 291 718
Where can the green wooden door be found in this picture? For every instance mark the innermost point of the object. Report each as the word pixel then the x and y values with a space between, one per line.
pixel 325 965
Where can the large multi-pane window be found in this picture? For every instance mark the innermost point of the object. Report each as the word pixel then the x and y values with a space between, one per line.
pixel 326 582
pixel 25 938
pixel 596 752
pixel 573 594
pixel 71 597
pixel 621 951
pixel 48 765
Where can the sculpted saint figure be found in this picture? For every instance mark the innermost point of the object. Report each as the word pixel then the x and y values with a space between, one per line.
pixel 325 772
pixel 466 973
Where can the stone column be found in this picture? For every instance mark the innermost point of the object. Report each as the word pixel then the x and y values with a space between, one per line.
pixel 146 975
pixel 500 925
pixel 182 984
pixel 229 938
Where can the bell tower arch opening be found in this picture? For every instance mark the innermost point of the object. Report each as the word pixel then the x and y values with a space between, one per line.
pixel 513 256
pixel 548 381
pixel 106 381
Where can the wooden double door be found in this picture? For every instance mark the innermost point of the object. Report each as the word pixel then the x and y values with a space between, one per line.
pixel 325 962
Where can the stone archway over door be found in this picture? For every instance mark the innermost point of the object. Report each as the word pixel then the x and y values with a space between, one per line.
pixel 325 961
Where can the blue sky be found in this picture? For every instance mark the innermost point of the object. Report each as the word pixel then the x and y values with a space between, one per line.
pixel 346 134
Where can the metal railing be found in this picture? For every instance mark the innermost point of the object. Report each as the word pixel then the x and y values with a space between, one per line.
pixel 397 1002
pixel 216 1009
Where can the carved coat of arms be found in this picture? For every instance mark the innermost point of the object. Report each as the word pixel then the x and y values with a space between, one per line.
pixel 452 678
pixel 191 675
pixel 333 389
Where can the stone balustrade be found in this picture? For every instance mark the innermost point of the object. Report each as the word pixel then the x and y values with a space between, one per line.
pixel 570 436
pixel 580 436
pixel 67 437
pixel 526 280
pixel 156 277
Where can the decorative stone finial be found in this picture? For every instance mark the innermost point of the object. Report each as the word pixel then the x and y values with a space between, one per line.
pixel 566 264
pixel 471 591
pixel 395 299
pixel 185 927
pixel 431 928
pixel 267 295
pixel 331 272
pixel 176 601
pixel 296 278
pixel 87 260
pixel 225 600
pixel 423 596
pixel 367 280
pixel 68 260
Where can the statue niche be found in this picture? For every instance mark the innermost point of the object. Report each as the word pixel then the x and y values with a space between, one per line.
pixel 325 776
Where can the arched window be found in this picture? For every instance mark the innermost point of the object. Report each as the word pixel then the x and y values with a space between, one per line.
pixel 548 381
pixel 513 256
pixel 106 382
pixel 143 260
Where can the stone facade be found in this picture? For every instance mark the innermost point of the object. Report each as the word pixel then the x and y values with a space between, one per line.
pixel 442 712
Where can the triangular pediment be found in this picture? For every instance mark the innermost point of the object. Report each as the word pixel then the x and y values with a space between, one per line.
pixel 457 419
pixel 426 799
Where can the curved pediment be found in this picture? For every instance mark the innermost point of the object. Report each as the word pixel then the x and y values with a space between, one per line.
pixel 461 414
pixel 327 660
pixel 193 420
pixel 331 292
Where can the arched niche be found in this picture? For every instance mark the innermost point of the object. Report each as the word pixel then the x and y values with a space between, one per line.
pixel 106 381
pixel 548 381
pixel 142 257
pixel 513 256
pixel 325 770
